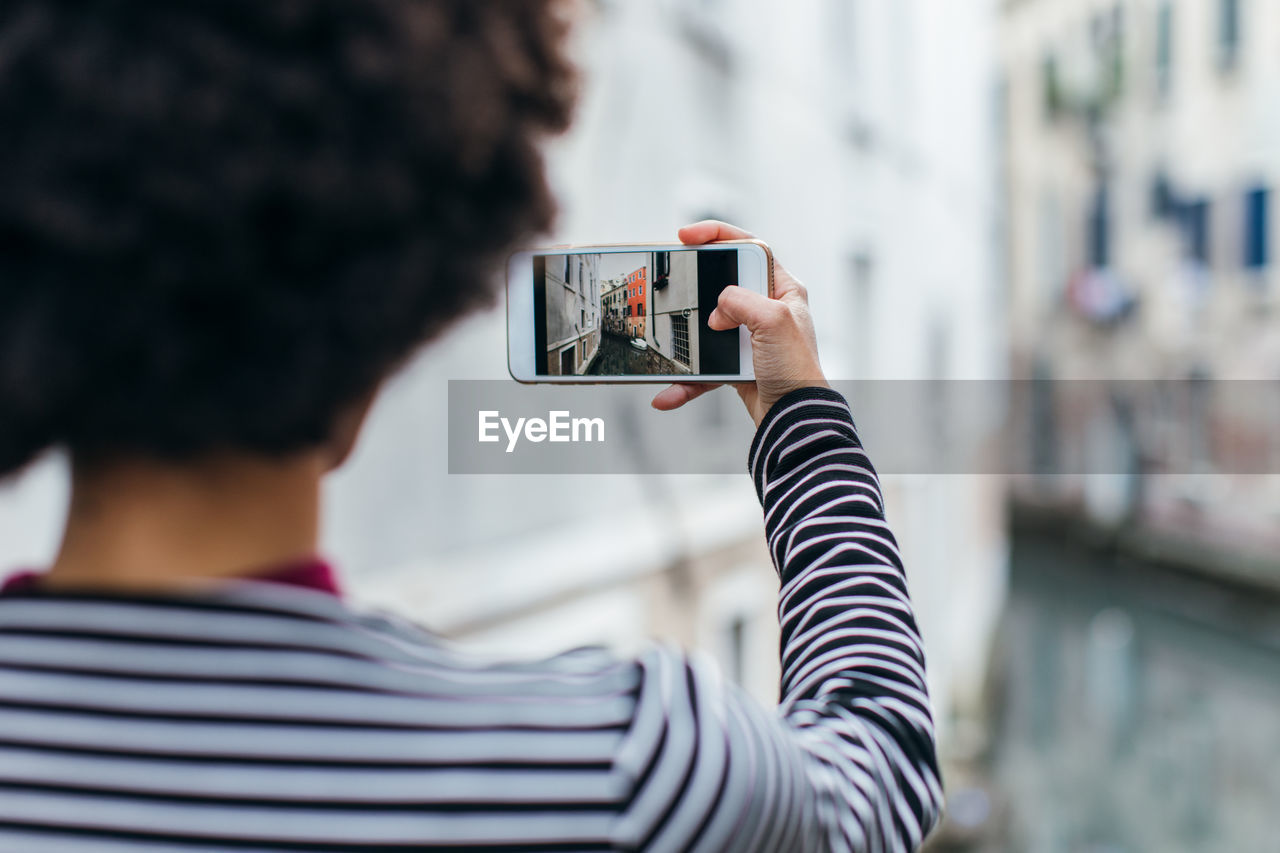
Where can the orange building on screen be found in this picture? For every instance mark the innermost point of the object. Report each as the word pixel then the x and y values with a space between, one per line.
pixel 636 295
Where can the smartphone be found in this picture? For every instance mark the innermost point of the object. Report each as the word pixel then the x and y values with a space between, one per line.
pixel 630 312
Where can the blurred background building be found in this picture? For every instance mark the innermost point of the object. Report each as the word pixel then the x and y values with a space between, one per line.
pixel 574 320
pixel 854 137
pixel 1139 663
pixel 1043 194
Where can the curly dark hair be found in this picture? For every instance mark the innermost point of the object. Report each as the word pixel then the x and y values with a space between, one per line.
pixel 223 221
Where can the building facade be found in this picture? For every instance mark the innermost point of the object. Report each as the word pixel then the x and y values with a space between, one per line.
pixel 573 313
pixel 1141 157
pixel 854 137
pixel 1142 142
pixel 613 302
pixel 636 288
pixel 674 330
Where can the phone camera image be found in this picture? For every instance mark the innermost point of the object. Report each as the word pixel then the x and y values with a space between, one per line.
pixel 633 313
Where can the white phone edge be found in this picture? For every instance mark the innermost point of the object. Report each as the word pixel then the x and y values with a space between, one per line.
pixel 520 320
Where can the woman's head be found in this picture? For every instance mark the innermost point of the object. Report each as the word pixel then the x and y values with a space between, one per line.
pixel 223 222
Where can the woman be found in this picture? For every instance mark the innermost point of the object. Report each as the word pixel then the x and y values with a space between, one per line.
pixel 223 225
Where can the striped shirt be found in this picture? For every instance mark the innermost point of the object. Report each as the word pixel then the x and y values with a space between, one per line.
pixel 265 717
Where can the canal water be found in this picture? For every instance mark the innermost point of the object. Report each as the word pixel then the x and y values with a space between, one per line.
pixel 1138 708
pixel 617 357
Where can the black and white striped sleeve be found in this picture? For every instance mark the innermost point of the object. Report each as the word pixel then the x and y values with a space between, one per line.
pixel 849 762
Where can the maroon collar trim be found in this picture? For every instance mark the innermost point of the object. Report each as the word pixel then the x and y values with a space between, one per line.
pixel 310 573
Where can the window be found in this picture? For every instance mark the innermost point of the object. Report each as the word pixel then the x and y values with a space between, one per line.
pixel 737 643
pixel 841 16
pixel 1116 49
pixel 1051 256
pixel 1228 33
pixel 661 270
pixel 863 308
pixel 1100 229
pixel 1164 204
pixel 680 338
pixel 1198 418
pixel 1054 103
pixel 1195 223
pixel 1256 228
pixel 1164 48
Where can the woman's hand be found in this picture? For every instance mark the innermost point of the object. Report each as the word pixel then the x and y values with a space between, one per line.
pixel 784 350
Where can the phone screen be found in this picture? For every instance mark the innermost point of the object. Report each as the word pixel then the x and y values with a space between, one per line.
pixel 632 313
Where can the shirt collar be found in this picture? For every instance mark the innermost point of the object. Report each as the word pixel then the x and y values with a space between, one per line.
pixel 310 573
